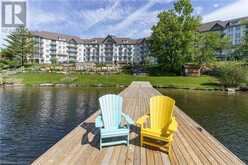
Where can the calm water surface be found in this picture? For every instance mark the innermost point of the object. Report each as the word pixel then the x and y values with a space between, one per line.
pixel 224 116
pixel 33 119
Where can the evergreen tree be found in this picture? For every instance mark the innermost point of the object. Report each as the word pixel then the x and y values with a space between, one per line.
pixel 20 44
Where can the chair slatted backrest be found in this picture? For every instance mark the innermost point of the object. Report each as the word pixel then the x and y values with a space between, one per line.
pixel 111 108
pixel 161 108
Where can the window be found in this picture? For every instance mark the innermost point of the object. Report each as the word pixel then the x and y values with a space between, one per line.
pixel 93 41
pixel 125 41
pixel 237 29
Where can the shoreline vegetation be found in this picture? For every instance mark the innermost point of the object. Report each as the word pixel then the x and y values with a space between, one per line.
pixel 175 42
pixel 111 80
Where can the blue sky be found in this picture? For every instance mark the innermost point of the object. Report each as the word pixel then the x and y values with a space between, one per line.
pixel 127 18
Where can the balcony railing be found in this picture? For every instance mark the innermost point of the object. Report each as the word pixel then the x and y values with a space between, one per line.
pixel 72 51
pixel 53 48
pixel 53 43
pixel 72 46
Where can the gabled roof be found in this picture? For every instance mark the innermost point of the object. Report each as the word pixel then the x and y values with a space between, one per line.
pixel 142 40
pixel 124 40
pixel 109 37
pixel 117 40
pixel 55 36
pixel 98 40
pixel 210 25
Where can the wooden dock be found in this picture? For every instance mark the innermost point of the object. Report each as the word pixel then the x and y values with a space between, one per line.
pixel 192 144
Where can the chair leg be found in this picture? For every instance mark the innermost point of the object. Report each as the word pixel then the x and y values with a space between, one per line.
pixel 170 147
pixel 128 140
pixel 141 140
pixel 100 143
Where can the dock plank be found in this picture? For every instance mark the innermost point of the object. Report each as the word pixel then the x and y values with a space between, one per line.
pixel 192 144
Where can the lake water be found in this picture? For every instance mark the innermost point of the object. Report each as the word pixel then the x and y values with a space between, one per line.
pixel 223 115
pixel 33 119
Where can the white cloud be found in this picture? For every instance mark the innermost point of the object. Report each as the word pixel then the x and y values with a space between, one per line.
pixel 129 22
pixel 141 16
pixel 133 17
pixel 234 10
pixel 216 5
pixel 39 18
pixel 113 13
pixel 198 10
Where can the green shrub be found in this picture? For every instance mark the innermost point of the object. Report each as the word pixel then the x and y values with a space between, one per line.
pixel 32 67
pixel 100 65
pixel 127 69
pixel 72 61
pixel 158 70
pixel 6 64
pixel 232 74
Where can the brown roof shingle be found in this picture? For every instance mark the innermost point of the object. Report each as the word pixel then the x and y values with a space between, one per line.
pixel 99 40
pixel 209 25
pixel 55 36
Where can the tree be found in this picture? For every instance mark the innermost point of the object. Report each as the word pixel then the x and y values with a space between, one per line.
pixel 54 61
pixel 172 39
pixel 232 74
pixel 242 50
pixel 207 45
pixel 20 44
pixel 4 54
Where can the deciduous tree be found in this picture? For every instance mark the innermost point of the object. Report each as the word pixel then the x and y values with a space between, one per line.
pixel 172 39
pixel 207 45
pixel 243 48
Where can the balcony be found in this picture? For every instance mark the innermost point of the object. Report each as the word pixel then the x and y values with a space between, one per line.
pixel 72 51
pixel 72 55
pixel 53 49
pixel 62 55
pixel 72 58
pixel 71 46
pixel 108 46
pixel 53 44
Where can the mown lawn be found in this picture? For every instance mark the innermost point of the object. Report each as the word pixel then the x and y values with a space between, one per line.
pixel 117 79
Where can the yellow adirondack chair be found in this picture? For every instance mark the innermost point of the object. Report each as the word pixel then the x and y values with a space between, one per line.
pixel 162 124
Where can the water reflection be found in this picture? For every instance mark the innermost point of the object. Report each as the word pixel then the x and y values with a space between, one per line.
pixel 224 116
pixel 33 119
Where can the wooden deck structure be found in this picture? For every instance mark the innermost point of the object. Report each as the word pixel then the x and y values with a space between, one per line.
pixel 192 144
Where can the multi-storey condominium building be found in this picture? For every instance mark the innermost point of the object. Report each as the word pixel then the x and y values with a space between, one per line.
pixel 108 50
pixel 111 49
pixel 235 29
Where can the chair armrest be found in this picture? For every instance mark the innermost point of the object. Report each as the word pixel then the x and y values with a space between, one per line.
pixel 173 125
pixel 98 122
pixel 127 118
pixel 142 120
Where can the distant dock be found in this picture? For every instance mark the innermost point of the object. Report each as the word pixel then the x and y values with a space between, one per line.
pixel 192 144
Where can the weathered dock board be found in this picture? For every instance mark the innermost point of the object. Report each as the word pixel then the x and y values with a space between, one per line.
pixel 192 144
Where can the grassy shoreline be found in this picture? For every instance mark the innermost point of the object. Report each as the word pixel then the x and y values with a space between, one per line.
pixel 77 79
